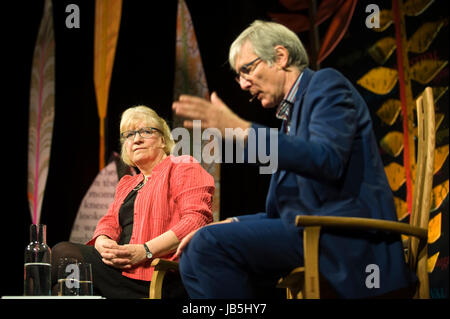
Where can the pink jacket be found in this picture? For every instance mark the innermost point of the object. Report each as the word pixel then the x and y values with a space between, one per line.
pixel 177 196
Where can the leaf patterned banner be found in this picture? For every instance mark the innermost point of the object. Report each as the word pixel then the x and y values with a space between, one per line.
pixel 395 174
pixel 410 54
pixel 380 80
pixel 434 228
pixel 389 111
pixel 392 143
pixel 416 7
pixel 42 112
pixel 190 79
pixel 107 23
pixel 425 70
pixel 424 36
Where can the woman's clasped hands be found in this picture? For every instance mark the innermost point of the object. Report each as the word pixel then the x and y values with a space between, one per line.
pixel 119 256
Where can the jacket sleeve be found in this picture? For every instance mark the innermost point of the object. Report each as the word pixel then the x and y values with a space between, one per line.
pixel 192 188
pixel 323 147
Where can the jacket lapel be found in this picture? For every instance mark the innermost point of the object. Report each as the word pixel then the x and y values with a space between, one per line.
pixel 296 110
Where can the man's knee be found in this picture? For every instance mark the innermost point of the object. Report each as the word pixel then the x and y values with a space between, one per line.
pixel 193 251
pixel 66 249
pixel 202 244
pixel 204 240
pixel 63 245
pixel 61 249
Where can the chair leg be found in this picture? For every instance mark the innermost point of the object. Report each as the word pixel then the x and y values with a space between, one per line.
pixel 156 284
pixel 311 250
pixel 423 292
pixel 289 294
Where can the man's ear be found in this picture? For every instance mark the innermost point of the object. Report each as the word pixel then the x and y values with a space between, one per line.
pixel 282 57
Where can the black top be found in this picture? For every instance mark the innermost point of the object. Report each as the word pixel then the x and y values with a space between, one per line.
pixel 126 215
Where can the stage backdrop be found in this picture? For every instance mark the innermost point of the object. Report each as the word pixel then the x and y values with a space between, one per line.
pixel 143 73
pixel 371 58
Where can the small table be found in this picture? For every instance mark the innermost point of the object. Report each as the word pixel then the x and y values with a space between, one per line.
pixel 53 297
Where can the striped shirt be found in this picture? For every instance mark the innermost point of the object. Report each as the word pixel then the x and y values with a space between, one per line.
pixel 284 109
pixel 177 196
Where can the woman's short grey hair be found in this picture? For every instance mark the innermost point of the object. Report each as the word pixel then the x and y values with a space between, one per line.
pixel 264 36
pixel 149 117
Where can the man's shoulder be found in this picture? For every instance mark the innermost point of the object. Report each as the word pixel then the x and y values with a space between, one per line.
pixel 324 80
pixel 329 74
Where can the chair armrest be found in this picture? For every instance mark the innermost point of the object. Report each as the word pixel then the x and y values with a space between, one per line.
pixel 164 264
pixel 361 223
pixel 161 267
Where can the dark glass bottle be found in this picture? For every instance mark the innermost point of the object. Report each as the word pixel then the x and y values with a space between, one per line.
pixel 37 266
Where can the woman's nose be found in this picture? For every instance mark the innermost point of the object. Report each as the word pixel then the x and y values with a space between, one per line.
pixel 137 137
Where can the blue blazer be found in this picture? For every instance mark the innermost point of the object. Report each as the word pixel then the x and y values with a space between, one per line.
pixel 329 164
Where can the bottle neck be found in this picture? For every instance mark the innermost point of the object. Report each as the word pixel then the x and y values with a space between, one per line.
pixel 38 233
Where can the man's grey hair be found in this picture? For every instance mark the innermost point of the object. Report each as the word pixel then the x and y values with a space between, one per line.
pixel 264 36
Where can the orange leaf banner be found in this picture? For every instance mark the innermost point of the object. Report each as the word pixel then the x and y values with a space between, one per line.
pixel 107 23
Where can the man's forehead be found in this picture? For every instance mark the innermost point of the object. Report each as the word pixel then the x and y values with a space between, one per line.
pixel 245 55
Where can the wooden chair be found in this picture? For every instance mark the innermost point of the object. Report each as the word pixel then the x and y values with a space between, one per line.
pixel 303 282
pixel 162 266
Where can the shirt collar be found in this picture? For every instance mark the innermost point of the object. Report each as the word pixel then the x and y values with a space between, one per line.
pixel 286 104
pixel 158 168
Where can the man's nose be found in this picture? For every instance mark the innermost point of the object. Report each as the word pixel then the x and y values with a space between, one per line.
pixel 244 83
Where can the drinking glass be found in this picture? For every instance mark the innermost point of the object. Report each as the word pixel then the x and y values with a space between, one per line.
pixel 68 277
pixel 86 283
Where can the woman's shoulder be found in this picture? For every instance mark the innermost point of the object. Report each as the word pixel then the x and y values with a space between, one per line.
pixel 185 163
pixel 183 160
pixel 127 179
pixel 186 168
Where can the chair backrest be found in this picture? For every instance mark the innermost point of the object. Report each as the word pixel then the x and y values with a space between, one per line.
pixel 418 253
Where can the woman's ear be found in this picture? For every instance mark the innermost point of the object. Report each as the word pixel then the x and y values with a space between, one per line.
pixel 163 142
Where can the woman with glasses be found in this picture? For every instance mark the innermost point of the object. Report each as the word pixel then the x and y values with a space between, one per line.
pixel 151 213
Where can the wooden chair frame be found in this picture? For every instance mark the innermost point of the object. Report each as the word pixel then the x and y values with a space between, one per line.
pixel 304 281
pixel 162 266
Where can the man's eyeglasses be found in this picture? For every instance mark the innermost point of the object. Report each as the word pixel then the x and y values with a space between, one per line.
pixel 145 132
pixel 245 69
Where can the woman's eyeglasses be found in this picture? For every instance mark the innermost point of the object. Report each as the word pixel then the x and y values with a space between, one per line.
pixel 145 132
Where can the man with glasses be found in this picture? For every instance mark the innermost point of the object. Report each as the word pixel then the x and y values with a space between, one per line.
pixel 328 164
